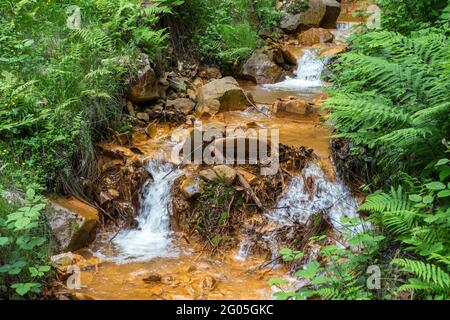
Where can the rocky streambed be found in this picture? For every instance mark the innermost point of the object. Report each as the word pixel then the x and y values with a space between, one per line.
pixel 196 231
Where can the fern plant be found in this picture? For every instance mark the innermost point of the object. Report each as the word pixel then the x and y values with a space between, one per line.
pixel 420 220
pixel 391 97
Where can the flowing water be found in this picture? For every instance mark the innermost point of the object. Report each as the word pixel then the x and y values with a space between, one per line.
pixel 153 237
pixel 307 75
pixel 152 247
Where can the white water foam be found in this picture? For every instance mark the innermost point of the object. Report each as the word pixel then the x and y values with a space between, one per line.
pixel 298 204
pixel 153 237
pixel 308 73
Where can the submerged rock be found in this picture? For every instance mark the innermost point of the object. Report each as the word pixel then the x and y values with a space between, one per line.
pixel 72 222
pixel 221 95
pixel 261 69
pixel 151 278
pixel 298 106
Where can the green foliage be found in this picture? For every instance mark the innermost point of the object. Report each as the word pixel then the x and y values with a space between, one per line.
pixel 420 219
pixel 392 98
pixel 60 88
pixel 408 15
pixel 226 31
pixel 343 275
pixel 24 247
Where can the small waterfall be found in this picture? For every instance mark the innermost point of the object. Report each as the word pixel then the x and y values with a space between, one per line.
pixel 308 193
pixel 301 200
pixel 152 238
pixel 308 74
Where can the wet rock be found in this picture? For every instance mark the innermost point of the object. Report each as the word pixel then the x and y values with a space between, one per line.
pixel 291 54
pixel 276 55
pixel 225 173
pixel 183 105
pixel 315 35
pixel 220 95
pixel 143 116
pixel 261 69
pixel 312 17
pixel 72 223
pixel 208 175
pixel 333 9
pixel 289 22
pixel 154 277
pixel 146 87
pixel 298 106
pixel 333 51
pixel 191 188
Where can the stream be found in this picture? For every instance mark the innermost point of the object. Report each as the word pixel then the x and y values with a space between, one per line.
pixel 179 266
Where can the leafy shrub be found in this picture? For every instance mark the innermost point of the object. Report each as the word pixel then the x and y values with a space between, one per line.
pixel 61 88
pixel 415 225
pixel 24 247
pixel 409 15
pixel 392 98
pixel 226 32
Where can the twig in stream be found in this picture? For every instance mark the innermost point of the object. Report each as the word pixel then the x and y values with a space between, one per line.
pixel 254 105
pixel 249 190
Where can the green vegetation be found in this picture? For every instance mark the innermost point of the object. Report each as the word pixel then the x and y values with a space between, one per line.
pixel 60 88
pixel 24 247
pixel 226 31
pixel 391 104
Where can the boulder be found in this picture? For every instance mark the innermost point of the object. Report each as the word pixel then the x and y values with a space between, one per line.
pixel 333 50
pixel 333 9
pixel 225 173
pixel 298 106
pixel 146 87
pixel 221 95
pixel 312 17
pixel 291 54
pixel 72 222
pixel 183 105
pixel 261 69
pixel 191 188
pixel 208 175
pixel 315 35
pixel 289 22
